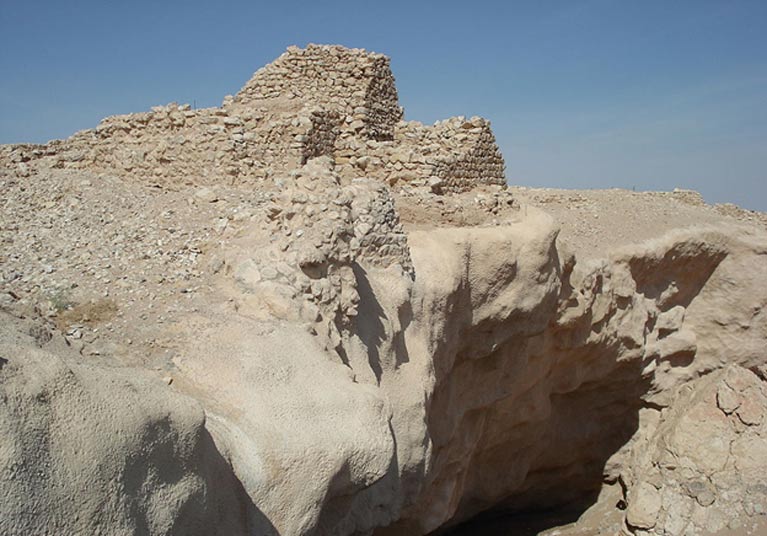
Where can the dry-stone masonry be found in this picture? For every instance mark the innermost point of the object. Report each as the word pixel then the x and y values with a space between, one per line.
pixel 318 101
pixel 357 84
pixel 456 154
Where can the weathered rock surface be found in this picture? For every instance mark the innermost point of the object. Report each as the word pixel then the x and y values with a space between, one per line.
pixel 103 450
pixel 351 343
pixel 699 467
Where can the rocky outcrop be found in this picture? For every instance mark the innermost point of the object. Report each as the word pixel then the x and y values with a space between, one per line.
pixel 543 371
pixel 639 329
pixel 504 375
pixel 103 450
pixel 699 464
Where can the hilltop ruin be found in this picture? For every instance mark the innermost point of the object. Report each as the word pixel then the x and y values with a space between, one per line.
pixel 318 101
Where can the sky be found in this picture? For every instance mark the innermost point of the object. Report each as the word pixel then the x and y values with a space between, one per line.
pixel 645 95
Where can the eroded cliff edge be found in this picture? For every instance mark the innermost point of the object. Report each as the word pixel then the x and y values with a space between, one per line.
pixel 328 353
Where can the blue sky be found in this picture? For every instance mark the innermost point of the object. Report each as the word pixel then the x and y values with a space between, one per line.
pixel 582 94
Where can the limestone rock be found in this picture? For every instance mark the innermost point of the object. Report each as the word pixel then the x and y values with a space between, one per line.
pixel 644 506
pixel 88 449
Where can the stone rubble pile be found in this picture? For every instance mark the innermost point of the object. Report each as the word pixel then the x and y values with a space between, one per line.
pixel 318 101
pixel 86 248
pixel 320 231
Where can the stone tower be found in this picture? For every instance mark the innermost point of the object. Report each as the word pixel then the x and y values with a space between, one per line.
pixel 356 84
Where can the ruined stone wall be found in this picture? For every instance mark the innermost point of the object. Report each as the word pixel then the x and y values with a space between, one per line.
pixel 474 157
pixel 174 144
pixel 322 135
pixel 319 101
pixel 357 84
pixel 460 153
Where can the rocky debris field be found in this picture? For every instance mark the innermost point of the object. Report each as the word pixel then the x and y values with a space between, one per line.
pixel 101 254
pixel 596 221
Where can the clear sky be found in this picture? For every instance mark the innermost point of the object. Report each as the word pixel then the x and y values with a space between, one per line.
pixel 638 94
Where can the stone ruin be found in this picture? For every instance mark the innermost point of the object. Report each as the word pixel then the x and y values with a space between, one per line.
pixel 359 86
pixel 318 101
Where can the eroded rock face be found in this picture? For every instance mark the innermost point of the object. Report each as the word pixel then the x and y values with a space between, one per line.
pixel 699 465
pixel 547 387
pixel 510 377
pixel 94 450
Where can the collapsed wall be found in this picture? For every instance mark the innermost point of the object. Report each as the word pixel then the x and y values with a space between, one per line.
pixel 318 101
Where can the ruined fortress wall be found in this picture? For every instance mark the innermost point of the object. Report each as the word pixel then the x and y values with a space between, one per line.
pixel 461 153
pixel 174 144
pixel 318 101
pixel 359 85
pixel 320 140
pixel 474 157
